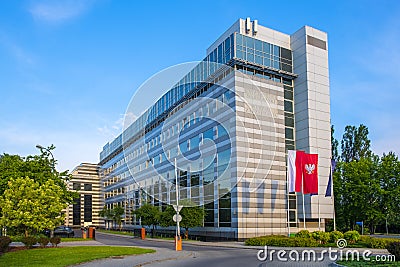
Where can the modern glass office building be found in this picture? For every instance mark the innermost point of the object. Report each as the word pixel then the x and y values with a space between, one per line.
pixel 224 130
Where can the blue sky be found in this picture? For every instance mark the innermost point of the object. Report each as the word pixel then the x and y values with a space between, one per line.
pixel 69 68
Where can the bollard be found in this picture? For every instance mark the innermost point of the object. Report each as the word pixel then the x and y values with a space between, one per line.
pixel 178 243
pixel 143 233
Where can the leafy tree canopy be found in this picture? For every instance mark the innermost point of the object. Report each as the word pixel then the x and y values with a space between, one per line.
pixel 31 207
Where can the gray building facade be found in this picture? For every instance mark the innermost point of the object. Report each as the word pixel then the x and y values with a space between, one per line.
pixel 228 125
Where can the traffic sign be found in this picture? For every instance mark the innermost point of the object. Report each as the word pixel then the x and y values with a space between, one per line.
pixel 177 207
pixel 177 218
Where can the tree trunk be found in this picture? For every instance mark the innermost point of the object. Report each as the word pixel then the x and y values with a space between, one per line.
pixel 186 233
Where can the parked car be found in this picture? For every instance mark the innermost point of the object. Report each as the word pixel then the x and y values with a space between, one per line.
pixel 46 232
pixel 63 231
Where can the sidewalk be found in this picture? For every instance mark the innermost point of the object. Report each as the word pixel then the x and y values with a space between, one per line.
pixel 160 255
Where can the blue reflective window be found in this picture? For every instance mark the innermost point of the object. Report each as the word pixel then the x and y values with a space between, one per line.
pixel 183 147
pixel 209 134
pixel 258 45
pixel 258 60
pixel 249 42
pixel 222 131
pixel 276 51
pixel 266 48
pixel 267 61
pixel 239 39
pixel 250 57
pixel 194 142
pixel 239 54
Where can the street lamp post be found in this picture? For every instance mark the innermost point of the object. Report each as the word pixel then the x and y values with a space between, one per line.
pixel 48 150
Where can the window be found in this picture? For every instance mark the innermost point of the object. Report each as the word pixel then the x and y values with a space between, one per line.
pixel 87 187
pixel 288 95
pixel 194 142
pixel 221 130
pixel 288 106
pixel 76 186
pixel 289 121
pixel 209 134
pixel 289 133
pixel 87 206
pixel 76 211
pixel 209 214
pixel 183 147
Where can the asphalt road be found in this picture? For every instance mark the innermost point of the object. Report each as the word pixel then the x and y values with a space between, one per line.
pixel 204 256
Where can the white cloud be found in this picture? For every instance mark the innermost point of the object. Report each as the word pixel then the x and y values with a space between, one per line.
pixel 112 131
pixel 58 11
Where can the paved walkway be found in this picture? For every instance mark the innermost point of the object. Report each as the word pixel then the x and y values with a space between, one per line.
pixel 160 255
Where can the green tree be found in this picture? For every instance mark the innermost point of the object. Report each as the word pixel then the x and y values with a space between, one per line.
pixel 107 214
pixel 40 168
pixel 389 177
pixel 166 217
pixel 358 193
pixel 117 213
pixel 355 143
pixel 334 145
pixel 149 215
pixel 30 206
pixel 192 216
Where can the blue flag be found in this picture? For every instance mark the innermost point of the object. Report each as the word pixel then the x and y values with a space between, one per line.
pixel 329 188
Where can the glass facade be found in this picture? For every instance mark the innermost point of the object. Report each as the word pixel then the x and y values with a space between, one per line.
pixel 263 53
pixel 236 46
pixel 195 179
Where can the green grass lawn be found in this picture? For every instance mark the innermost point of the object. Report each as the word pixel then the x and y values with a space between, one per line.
pixel 115 232
pixel 65 256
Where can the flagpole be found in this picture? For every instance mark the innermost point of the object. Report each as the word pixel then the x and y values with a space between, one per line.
pixel 319 214
pixel 304 212
pixel 287 196
pixel 333 201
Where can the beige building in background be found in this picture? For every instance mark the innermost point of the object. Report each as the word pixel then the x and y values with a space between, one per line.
pixel 86 181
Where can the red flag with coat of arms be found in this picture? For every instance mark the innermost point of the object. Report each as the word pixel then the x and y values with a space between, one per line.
pixel 310 173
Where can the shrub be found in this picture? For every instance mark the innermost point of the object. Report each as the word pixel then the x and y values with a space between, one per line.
pixel 281 241
pixel 16 238
pixel 4 243
pixel 365 239
pixel 55 241
pixel 303 234
pixel 43 241
pixel 394 249
pixel 381 243
pixel 320 236
pixel 29 241
pixel 351 236
pixel 335 236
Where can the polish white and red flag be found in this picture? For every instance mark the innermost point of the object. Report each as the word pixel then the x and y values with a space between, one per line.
pixel 302 172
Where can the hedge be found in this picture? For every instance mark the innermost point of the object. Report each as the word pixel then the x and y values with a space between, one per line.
pixel 281 241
